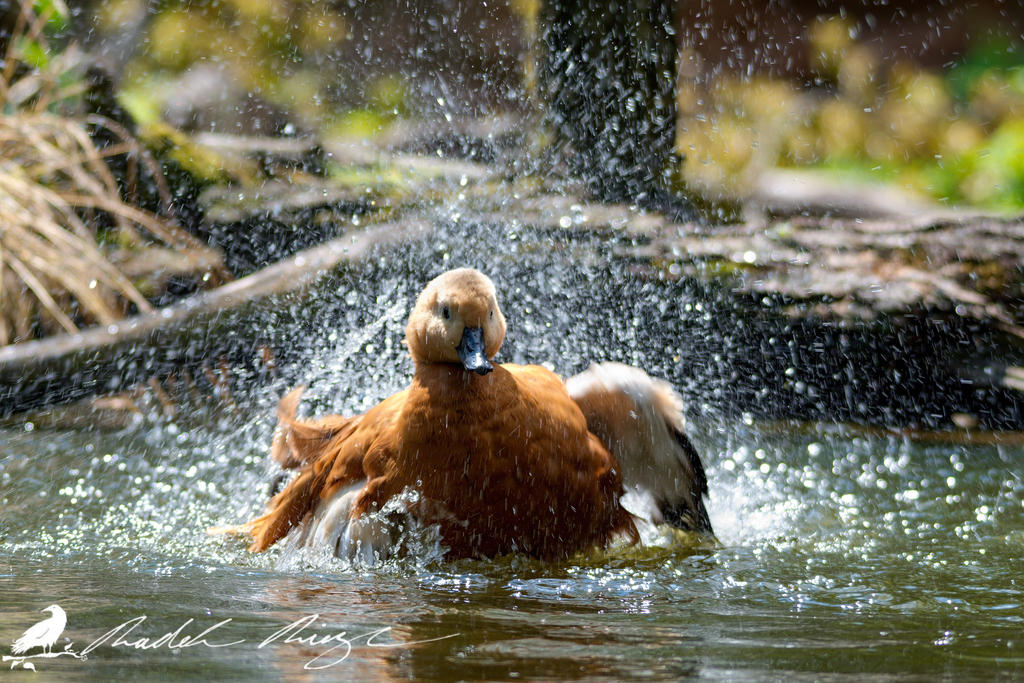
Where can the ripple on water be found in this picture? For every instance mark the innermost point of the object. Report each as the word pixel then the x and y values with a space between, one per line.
pixel 854 553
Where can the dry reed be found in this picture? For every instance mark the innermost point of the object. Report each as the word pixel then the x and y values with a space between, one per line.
pixel 63 221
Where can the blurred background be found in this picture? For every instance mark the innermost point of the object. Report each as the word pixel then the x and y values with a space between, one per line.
pixel 131 125
pixel 928 95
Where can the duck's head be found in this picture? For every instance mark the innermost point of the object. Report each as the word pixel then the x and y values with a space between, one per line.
pixel 457 320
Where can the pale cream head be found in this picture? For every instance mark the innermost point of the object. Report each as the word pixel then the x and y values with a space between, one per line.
pixel 450 304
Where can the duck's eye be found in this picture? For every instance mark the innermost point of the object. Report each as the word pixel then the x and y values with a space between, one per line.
pixel 492 314
pixel 446 313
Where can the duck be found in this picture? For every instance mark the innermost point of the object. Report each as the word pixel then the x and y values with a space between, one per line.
pixel 497 458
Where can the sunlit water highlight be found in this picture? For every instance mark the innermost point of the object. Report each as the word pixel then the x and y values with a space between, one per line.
pixel 841 552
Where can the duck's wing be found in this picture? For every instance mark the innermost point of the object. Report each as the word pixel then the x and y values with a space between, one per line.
pixel 640 421
pixel 330 453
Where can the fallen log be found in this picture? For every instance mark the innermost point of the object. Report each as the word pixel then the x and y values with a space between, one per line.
pixel 178 338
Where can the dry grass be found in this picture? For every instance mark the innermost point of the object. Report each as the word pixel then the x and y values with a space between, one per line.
pixel 63 222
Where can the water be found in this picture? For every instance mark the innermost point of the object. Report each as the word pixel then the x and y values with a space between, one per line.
pixel 844 553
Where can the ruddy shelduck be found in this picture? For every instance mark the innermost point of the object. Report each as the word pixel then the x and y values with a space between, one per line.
pixel 497 458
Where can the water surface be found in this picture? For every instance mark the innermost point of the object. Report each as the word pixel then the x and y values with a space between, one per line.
pixel 844 553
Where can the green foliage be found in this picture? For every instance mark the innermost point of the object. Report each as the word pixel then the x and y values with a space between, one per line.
pixel 33 47
pixel 140 103
pixel 32 53
pixel 995 54
pixel 280 51
pixel 956 136
pixel 56 14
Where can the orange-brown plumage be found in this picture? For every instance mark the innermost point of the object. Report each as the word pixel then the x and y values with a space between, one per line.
pixel 502 458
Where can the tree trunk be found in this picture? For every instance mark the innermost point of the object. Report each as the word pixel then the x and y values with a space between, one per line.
pixel 607 81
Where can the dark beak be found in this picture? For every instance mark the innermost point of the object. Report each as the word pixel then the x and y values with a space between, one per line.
pixel 471 351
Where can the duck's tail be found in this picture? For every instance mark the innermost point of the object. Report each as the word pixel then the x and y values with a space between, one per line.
pixel 297 444
pixel 300 442
pixel 639 419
